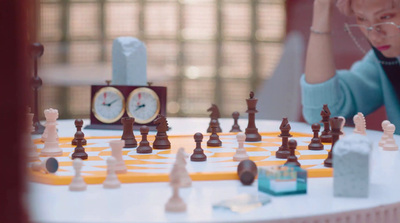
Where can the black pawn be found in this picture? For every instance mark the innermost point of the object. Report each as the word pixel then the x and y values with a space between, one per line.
pixel 127 134
pixel 214 138
pixel 235 126
pixel 78 126
pixel 198 153
pixel 144 145
pixel 315 143
pixel 79 151
pixel 292 158
pixel 283 151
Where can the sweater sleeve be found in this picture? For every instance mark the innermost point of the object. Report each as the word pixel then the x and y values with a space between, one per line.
pixel 348 92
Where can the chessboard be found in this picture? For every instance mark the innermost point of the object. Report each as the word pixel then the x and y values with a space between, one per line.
pixel 156 166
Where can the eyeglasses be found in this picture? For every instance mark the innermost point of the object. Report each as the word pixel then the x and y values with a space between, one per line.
pixel 385 29
pixel 361 34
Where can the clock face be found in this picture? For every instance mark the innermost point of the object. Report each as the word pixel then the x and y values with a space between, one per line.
pixel 143 104
pixel 108 105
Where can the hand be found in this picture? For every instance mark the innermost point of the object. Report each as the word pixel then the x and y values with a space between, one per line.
pixel 109 104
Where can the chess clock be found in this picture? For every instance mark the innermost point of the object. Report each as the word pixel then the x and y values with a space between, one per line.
pixel 109 103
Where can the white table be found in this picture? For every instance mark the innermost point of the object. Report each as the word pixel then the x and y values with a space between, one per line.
pixel 144 202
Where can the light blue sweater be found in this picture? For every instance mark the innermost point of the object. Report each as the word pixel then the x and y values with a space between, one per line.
pixel 363 88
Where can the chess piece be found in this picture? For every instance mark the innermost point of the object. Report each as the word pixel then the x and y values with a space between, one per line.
pixel 198 153
pixel 325 114
pixel 77 183
pixel 116 152
pixel 360 125
pixel 251 131
pixel 292 158
pixel 175 203
pixel 384 137
pixel 36 51
pixel 390 143
pixel 111 180
pixel 31 147
pixel 241 153
pixel 127 134
pixel 342 126
pixel 180 163
pixel 315 143
pixel 235 126
pixel 161 141
pixel 214 140
pixel 50 119
pixel 48 165
pixel 78 126
pixel 144 145
pixel 51 147
pixel 79 151
pixel 247 172
pixel 285 128
pixel 215 115
pixel 335 123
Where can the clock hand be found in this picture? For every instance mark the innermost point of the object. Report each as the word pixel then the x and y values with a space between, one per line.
pixel 109 104
pixel 140 106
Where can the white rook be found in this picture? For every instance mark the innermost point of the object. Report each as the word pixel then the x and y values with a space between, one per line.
pixel 351 163
pixel 129 62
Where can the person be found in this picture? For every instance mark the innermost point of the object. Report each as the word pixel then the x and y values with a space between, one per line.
pixel 369 83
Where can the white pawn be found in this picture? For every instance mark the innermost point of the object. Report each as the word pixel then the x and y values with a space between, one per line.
pixel 180 164
pixel 241 153
pixel 32 153
pixel 48 165
pixel 116 152
pixel 49 120
pixel 51 147
pixel 111 180
pixel 390 143
pixel 77 184
pixel 360 125
pixel 384 137
pixel 175 203
pixel 342 125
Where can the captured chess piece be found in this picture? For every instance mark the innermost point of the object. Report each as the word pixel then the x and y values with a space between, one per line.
pixel 116 152
pixel 360 124
pixel 235 126
pixel 390 143
pixel 247 172
pixel 215 115
pixel 335 123
pixel 36 51
pixel 144 145
pixel 241 153
pixel 251 131
pixel 292 158
pixel 198 153
pixel 51 147
pixel 315 143
pixel 161 141
pixel 48 165
pixel 214 140
pixel 79 151
pixel 77 183
pixel 111 180
pixel 285 128
pixel 78 126
pixel 325 114
pixel 127 134
pixel 384 137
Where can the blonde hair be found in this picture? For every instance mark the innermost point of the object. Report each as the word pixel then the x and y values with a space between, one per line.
pixel 344 6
